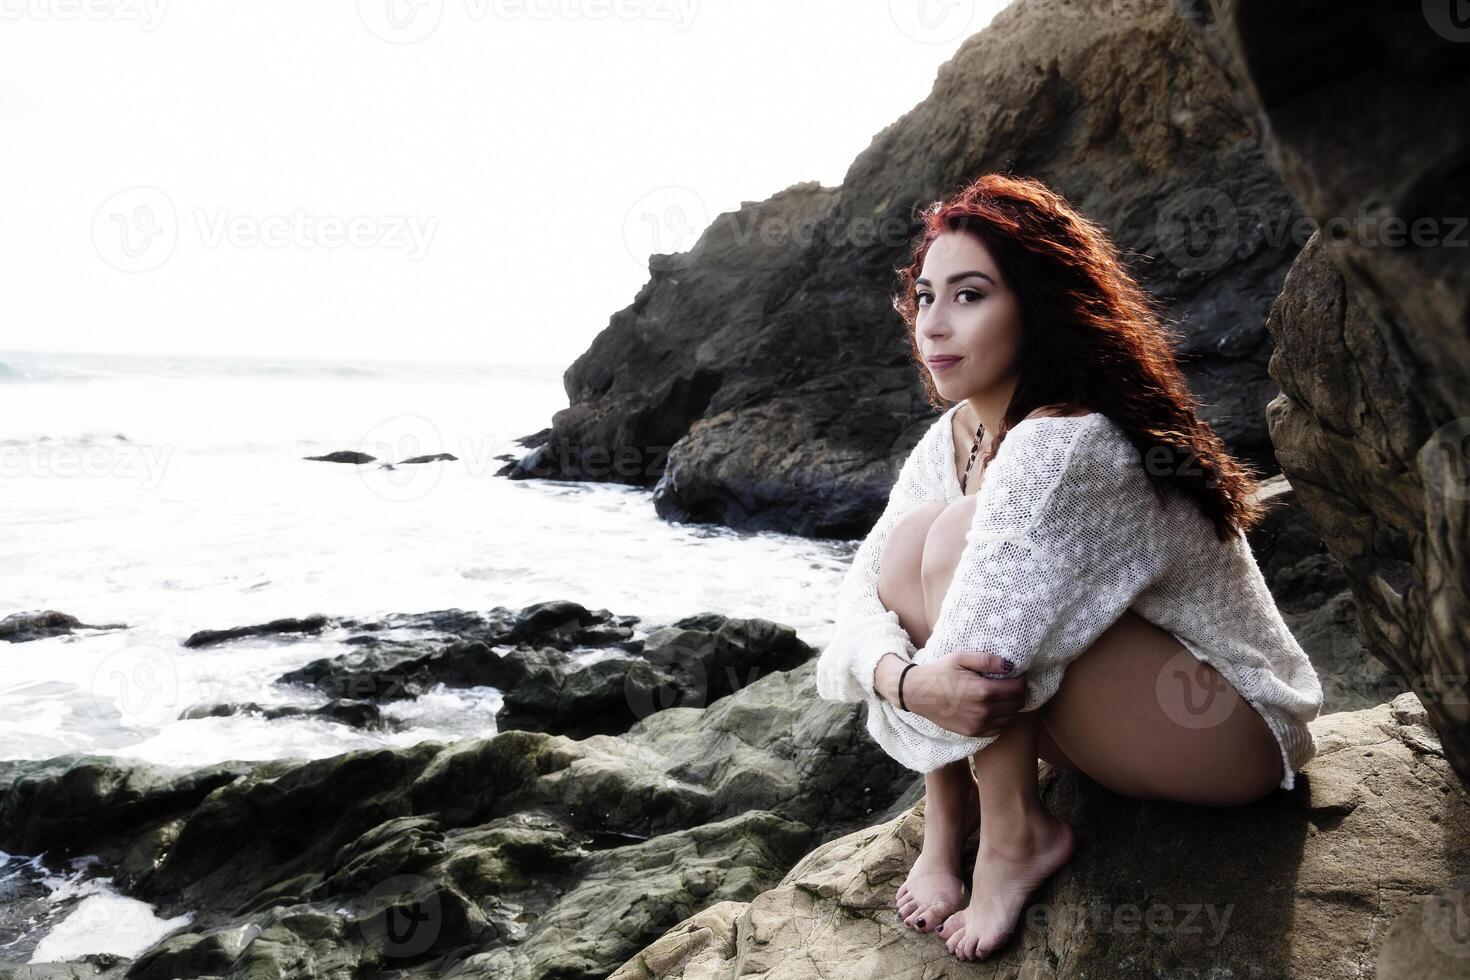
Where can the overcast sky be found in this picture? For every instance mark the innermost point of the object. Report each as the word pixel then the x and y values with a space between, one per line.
pixel 431 180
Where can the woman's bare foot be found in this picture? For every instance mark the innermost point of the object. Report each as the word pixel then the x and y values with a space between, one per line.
pixel 1010 864
pixel 934 888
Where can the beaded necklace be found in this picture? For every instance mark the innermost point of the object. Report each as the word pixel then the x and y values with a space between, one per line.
pixel 979 433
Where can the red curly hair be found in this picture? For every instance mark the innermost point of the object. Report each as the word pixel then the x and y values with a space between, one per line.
pixel 1091 336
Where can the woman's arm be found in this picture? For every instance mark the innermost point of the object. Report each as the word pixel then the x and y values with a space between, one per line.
pixel 866 631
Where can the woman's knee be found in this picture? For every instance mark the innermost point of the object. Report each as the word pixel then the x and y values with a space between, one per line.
pixel 902 556
pixel 945 542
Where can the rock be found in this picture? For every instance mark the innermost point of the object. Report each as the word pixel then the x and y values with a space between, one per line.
pixel 762 380
pixel 343 456
pixel 434 458
pixel 357 714
pixel 75 798
pixel 1300 884
pixel 676 668
pixel 25 626
pixel 524 851
pixel 310 624
pixel 527 655
pixel 1372 354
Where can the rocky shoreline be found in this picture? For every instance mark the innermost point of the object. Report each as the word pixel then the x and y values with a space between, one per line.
pixel 692 765
pixel 700 827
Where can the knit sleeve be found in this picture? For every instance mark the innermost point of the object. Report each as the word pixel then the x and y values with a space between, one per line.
pixel 866 630
pixel 1067 532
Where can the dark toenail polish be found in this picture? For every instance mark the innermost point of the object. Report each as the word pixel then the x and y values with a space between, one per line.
pixel 921 923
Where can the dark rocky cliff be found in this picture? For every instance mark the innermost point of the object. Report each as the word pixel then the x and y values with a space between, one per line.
pixel 768 362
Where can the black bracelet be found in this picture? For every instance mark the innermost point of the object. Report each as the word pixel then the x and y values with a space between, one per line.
pixel 900 685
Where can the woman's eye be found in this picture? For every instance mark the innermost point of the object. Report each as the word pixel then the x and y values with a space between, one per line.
pixel 921 297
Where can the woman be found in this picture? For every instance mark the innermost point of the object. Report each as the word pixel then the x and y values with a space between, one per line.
pixel 1061 571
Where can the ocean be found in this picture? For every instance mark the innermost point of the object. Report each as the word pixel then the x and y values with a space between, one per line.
pixel 170 494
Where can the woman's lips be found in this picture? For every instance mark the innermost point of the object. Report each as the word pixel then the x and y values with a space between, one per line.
pixel 943 363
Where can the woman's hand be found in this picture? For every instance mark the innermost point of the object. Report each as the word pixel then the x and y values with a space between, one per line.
pixel 967 692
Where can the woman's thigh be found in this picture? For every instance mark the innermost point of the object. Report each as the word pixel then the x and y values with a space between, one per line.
pixel 1138 713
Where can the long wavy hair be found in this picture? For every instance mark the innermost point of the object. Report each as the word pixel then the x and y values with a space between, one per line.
pixel 1091 336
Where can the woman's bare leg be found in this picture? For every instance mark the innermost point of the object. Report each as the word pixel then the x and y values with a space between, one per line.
pixel 1021 844
pixel 934 888
pixel 1135 711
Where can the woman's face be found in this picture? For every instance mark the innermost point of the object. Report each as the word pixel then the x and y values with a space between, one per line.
pixel 966 309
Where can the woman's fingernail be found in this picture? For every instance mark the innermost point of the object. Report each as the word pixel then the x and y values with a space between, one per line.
pixel 1009 665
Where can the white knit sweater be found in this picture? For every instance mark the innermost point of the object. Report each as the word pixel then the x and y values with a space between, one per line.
pixel 1067 535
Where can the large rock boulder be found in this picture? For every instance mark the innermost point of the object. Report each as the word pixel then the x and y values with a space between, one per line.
pixel 767 362
pixel 1302 884
pixel 1366 114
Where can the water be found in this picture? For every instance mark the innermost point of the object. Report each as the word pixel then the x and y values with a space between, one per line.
pixel 169 494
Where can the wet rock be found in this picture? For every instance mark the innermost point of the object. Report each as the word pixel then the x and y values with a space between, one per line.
pixel 357 714
pixel 496 847
pixel 343 456
pixel 25 626
pixel 308 624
